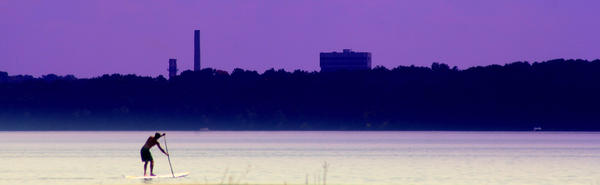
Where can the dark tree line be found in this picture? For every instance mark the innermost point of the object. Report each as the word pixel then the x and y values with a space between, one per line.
pixel 555 95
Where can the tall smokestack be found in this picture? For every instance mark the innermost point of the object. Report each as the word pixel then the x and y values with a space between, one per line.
pixel 172 68
pixel 196 50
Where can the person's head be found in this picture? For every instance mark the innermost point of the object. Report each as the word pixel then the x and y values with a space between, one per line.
pixel 157 135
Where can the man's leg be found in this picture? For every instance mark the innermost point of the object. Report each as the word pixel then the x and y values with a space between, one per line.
pixel 152 167
pixel 145 165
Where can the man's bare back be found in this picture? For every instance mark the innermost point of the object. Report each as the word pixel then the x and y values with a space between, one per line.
pixel 151 142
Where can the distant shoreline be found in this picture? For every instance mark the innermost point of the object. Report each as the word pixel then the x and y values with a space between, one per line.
pixel 555 95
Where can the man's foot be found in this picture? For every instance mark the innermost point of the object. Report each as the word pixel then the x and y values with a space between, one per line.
pixel 152 174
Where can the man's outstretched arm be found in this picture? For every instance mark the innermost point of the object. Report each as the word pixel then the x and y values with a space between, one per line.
pixel 161 149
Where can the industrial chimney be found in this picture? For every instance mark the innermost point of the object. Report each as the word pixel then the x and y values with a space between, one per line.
pixel 196 50
pixel 172 68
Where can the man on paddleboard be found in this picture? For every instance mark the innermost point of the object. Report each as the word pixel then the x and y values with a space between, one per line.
pixel 145 152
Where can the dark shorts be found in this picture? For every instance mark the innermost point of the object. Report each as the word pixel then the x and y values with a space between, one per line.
pixel 146 155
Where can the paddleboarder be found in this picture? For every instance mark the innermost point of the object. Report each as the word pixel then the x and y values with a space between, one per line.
pixel 145 151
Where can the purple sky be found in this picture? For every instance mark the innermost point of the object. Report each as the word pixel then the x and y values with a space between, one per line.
pixel 93 37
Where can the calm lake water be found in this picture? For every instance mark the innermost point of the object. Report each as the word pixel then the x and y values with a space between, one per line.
pixel 476 158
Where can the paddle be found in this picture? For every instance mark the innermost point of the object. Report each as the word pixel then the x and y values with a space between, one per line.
pixel 168 156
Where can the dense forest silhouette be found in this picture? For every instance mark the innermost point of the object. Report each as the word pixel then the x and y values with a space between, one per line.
pixel 554 95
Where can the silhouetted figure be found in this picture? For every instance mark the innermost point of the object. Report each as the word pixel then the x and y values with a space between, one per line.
pixel 147 156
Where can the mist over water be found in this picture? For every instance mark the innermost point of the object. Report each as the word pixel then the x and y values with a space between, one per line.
pixel 297 157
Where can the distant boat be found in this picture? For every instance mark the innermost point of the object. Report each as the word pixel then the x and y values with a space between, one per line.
pixel 537 129
pixel 203 129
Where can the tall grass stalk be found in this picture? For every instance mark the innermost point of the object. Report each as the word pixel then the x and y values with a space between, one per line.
pixel 325 166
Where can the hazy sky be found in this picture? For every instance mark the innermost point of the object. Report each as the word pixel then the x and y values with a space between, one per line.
pixel 94 37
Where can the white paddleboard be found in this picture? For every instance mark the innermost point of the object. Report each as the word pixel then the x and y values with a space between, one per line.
pixel 176 175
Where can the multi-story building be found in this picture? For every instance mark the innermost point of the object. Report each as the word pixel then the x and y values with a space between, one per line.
pixel 172 68
pixel 347 60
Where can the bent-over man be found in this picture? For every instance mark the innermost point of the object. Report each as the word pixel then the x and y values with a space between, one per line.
pixel 145 152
